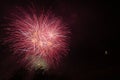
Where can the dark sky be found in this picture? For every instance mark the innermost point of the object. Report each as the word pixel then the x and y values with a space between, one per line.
pixel 94 45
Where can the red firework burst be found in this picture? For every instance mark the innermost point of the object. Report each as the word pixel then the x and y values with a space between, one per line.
pixel 40 38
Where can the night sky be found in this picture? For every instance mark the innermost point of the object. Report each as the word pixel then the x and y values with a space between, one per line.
pixel 94 45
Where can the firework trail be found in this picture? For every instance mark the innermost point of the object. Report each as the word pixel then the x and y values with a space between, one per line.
pixel 39 39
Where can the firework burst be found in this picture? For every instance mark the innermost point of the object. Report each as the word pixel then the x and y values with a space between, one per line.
pixel 38 39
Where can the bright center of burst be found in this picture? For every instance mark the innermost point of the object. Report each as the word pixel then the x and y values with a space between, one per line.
pixel 43 39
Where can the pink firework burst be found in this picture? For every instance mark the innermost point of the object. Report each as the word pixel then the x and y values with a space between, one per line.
pixel 40 38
